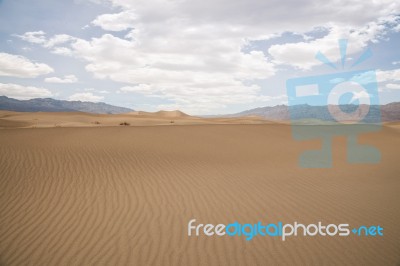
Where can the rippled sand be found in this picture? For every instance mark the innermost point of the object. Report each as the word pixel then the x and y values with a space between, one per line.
pixel 124 196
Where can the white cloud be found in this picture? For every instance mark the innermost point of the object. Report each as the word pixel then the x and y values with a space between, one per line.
pixel 141 88
pixel 393 86
pixel 37 37
pixel 98 91
pixel 260 16
pixel 85 97
pixel 214 74
pixel 66 79
pixel 21 67
pixel 62 51
pixel 116 22
pixel 360 95
pixel 380 76
pixel 58 39
pixel 388 75
pixel 385 78
pixel 23 92
pixel 302 54
pixel 190 52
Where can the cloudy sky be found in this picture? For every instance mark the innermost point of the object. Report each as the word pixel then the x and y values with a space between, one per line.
pixel 199 56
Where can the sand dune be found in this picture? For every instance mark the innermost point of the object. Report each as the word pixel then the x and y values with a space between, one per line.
pixel 139 118
pixel 175 113
pixel 124 196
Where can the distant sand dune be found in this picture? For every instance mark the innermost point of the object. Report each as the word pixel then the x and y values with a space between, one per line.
pixel 138 118
pixel 124 196
pixel 175 113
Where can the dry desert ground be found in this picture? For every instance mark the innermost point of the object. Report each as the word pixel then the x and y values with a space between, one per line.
pixel 76 192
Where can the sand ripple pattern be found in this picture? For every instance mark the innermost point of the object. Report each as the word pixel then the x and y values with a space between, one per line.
pixel 124 196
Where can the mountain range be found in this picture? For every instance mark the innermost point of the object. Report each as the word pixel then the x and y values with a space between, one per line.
pixel 51 105
pixel 389 112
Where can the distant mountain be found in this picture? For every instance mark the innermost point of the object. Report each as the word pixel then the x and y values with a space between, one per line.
pixel 389 112
pixel 51 105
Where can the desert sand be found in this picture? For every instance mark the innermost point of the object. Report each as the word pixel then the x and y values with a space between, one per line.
pixel 78 193
pixel 79 119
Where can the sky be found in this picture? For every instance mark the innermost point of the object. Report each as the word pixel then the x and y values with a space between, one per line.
pixel 202 57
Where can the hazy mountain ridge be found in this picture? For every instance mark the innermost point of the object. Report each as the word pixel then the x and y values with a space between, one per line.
pixel 389 112
pixel 52 105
